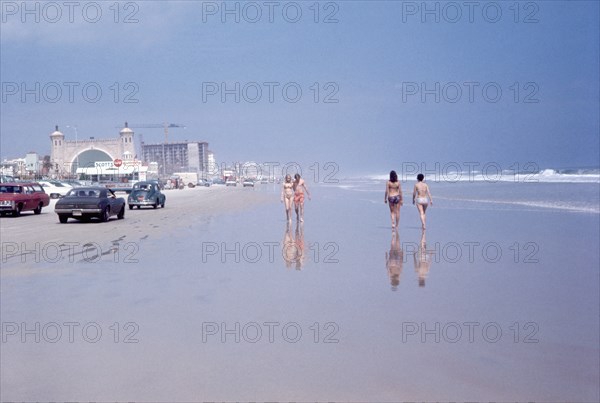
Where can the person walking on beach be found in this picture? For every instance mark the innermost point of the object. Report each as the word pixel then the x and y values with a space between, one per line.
pixel 287 194
pixel 299 189
pixel 393 196
pixel 422 197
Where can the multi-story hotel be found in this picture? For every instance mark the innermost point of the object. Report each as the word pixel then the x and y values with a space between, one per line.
pixel 187 156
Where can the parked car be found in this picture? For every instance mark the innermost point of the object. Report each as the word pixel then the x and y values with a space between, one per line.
pixel 218 181
pixel 18 197
pixel 90 202
pixel 230 182
pixel 248 183
pixel 204 182
pixel 55 189
pixel 146 194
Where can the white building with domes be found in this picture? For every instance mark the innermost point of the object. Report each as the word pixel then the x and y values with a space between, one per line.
pixel 93 156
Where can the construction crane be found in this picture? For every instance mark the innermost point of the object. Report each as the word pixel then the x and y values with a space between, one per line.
pixel 166 126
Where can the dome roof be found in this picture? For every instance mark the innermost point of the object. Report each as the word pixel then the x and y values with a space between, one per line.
pixel 56 133
pixel 126 130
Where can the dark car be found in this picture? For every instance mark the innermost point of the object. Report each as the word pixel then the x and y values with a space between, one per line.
pixel 17 197
pixel 90 202
pixel 146 194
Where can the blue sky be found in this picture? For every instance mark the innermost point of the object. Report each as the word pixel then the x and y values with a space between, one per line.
pixel 374 61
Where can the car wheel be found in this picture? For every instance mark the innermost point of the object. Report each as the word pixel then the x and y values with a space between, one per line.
pixel 130 207
pixel 38 209
pixel 17 211
pixel 139 207
pixel 63 219
pixel 105 215
pixel 162 205
pixel 121 214
pixel 155 205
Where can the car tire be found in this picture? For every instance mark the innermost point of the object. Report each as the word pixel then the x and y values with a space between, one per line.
pixel 162 205
pixel 130 207
pixel 38 209
pixel 155 205
pixel 121 214
pixel 63 219
pixel 17 211
pixel 105 215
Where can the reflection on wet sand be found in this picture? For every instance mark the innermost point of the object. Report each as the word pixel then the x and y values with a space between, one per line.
pixel 422 260
pixel 394 260
pixel 293 246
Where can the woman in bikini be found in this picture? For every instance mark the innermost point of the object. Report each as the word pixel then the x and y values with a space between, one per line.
pixel 287 194
pixel 299 189
pixel 393 196
pixel 422 197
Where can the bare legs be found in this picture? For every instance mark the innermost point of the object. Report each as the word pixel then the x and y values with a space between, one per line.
pixel 288 208
pixel 299 211
pixel 422 208
pixel 395 214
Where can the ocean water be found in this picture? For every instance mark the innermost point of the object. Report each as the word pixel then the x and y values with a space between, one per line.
pixel 577 193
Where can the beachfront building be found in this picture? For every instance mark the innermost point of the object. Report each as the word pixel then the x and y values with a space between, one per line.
pixel 32 163
pixel 186 156
pixel 13 168
pixel 91 156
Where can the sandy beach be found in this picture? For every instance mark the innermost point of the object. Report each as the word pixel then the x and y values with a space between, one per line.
pixel 33 240
pixel 215 303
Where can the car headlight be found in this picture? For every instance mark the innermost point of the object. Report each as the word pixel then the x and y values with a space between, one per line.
pixel 10 203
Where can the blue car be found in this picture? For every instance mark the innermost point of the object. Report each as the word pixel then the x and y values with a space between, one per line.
pixel 146 194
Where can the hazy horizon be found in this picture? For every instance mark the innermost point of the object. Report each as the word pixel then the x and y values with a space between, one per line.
pixel 496 82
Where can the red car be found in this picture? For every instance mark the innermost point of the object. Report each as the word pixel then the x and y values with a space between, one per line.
pixel 18 197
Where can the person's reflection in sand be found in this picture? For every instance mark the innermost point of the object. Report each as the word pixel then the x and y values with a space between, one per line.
pixel 300 244
pixel 394 260
pixel 293 248
pixel 422 259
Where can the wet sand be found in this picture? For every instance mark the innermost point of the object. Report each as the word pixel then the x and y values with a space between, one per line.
pixel 220 307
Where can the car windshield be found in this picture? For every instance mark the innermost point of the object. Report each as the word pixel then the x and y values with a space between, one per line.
pixel 11 189
pixel 142 186
pixel 84 193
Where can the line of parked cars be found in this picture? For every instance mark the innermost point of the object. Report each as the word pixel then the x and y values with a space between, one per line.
pixel 80 202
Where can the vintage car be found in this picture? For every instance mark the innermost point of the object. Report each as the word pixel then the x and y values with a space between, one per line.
pixel 18 197
pixel 90 202
pixel 146 194
pixel 55 189
pixel 248 183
